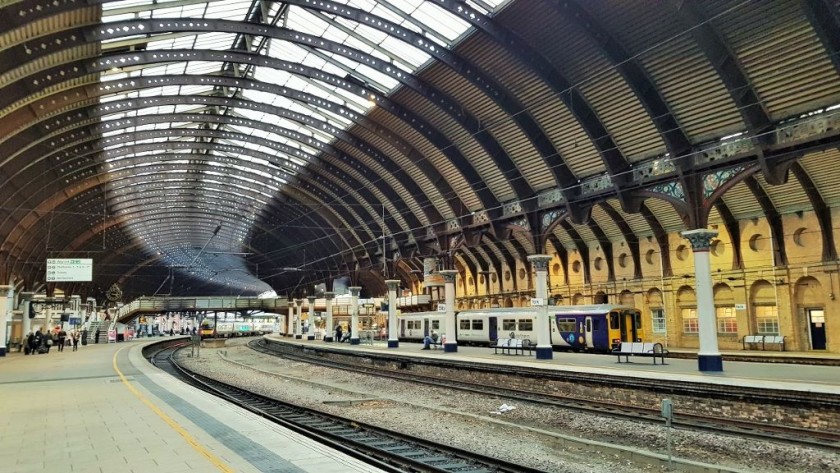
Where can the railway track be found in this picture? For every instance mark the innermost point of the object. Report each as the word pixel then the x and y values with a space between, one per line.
pixel 683 420
pixel 384 449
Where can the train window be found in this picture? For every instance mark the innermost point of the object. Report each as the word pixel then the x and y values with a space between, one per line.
pixel 478 325
pixel 508 324
pixel 526 325
pixel 588 325
pixel 566 325
pixel 614 321
pixel 413 324
pixel 637 317
pixel 464 325
pixel 435 324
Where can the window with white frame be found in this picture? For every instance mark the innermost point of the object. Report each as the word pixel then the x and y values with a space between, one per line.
pixel 726 321
pixel 658 318
pixel 766 319
pixel 690 322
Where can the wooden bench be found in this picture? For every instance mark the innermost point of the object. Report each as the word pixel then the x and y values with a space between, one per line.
pixel 515 346
pixel 652 350
pixel 763 340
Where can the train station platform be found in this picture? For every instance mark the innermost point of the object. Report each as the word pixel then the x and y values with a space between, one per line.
pixel 105 409
pixel 764 370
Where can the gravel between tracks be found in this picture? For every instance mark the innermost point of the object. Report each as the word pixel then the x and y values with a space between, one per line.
pixel 469 420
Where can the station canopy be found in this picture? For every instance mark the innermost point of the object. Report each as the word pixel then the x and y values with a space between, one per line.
pixel 239 147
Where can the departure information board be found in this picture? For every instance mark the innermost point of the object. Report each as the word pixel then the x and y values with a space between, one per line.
pixel 69 270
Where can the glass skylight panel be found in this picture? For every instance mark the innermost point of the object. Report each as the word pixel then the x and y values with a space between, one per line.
pixel 440 20
pixel 228 9
pixel 215 41
pixel 415 57
pixel 202 67
pixel 388 14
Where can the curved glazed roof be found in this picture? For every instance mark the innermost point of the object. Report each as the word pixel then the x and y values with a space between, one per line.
pixel 236 146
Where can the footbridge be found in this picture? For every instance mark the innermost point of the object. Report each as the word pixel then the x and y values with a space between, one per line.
pixel 159 305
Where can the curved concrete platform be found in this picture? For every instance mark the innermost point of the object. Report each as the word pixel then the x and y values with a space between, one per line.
pixel 772 373
pixel 104 408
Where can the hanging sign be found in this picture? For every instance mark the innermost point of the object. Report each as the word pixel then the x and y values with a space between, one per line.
pixel 69 270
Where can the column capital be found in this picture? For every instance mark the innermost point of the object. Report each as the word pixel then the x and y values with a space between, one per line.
pixel 311 299
pixel 700 238
pixel 355 290
pixel 329 295
pixel 5 287
pixel 75 296
pixel 392 284
pixel 298 302
pixel 540 262
pixel 448 275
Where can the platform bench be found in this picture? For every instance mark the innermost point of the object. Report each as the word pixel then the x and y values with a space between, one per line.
pixel 515 346
pixel 775 339
pixel 763 340
pixel 652 350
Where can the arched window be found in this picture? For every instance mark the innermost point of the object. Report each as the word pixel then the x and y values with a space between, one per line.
pixel 725 309
pixel 657 310
pixel 763 300
pixel 600 297
pixel 687 302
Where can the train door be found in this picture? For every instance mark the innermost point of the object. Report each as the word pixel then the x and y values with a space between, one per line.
pixel 816 326
pixel 494 328
pixel 629 332
pixel 425 327
pixel 402 328
pixel 587 332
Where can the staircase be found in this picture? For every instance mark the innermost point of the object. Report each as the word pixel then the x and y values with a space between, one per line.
pixel 91 331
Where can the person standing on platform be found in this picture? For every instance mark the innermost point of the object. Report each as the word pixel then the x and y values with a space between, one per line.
pixel 30 342
pixel 338 333
pixel 48 341
pixel 37 342
pixel 75 337
pixel 62 339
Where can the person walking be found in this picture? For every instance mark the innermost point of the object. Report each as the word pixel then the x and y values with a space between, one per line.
pixel 29 342
pixel 62 339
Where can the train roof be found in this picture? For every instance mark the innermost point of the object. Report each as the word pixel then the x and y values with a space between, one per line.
pixel 588 309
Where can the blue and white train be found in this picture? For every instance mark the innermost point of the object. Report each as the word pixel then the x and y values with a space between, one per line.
pixel 598 328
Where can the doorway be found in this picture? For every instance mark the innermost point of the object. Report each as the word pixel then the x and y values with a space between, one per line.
pixel 816 327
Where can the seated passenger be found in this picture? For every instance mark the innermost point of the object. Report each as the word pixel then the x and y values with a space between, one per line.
pixel 346 337
pixel 429 339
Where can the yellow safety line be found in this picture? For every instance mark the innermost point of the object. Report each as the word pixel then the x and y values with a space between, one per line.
pixel 222 466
